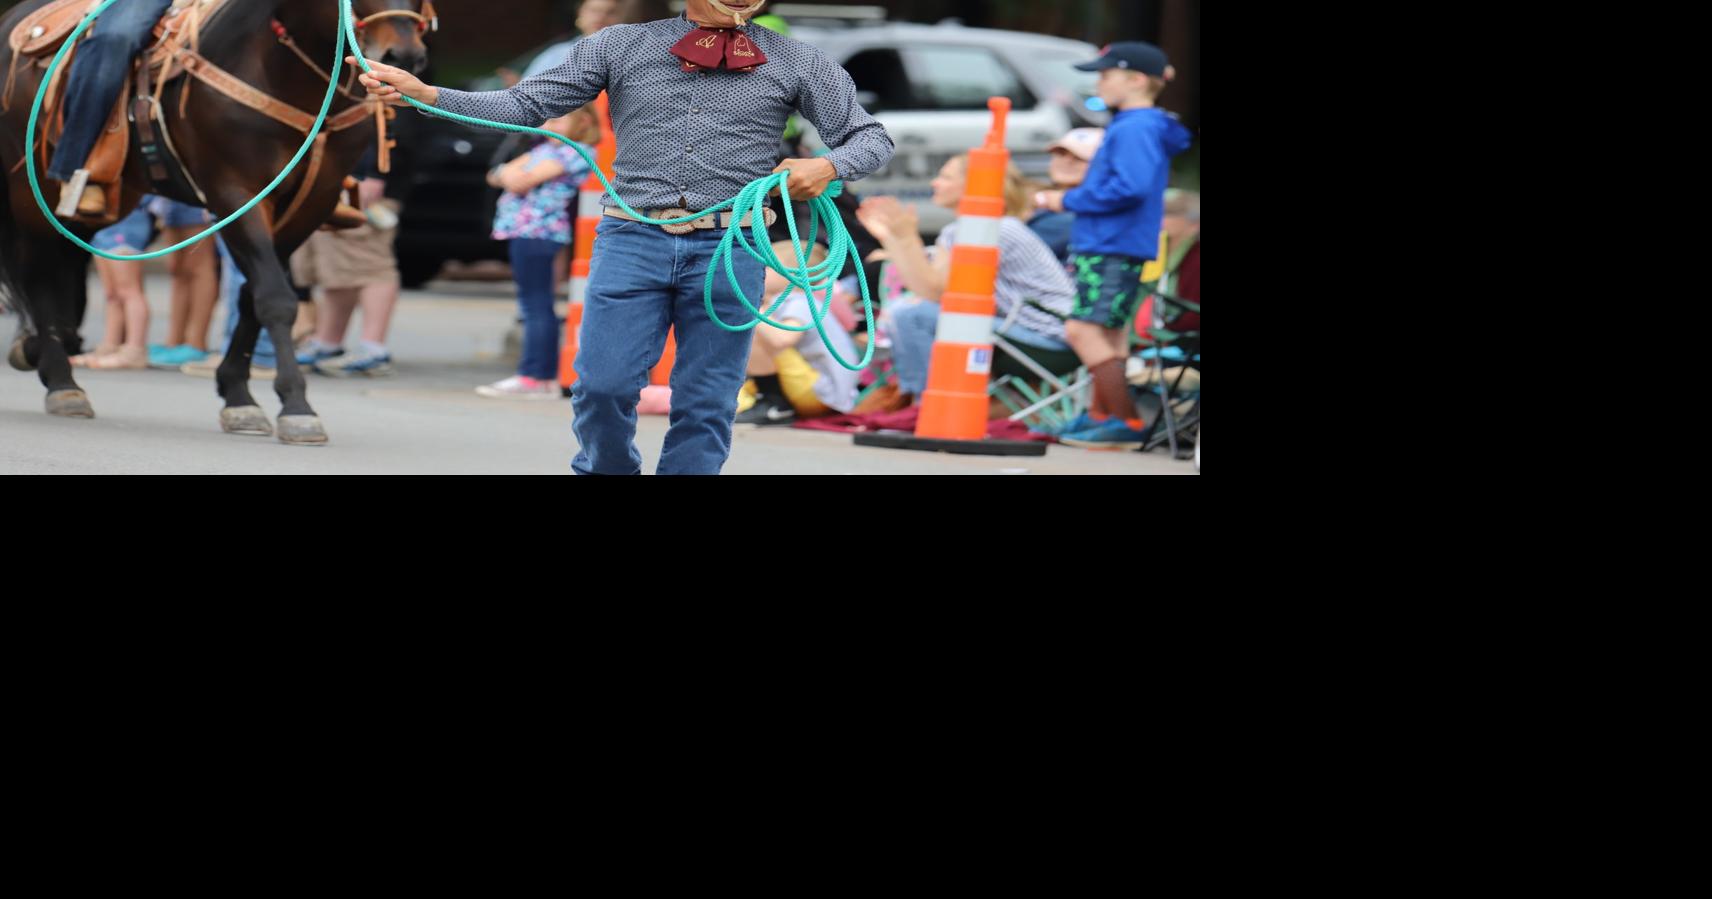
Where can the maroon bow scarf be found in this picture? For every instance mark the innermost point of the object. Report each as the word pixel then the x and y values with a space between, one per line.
pixel 712 48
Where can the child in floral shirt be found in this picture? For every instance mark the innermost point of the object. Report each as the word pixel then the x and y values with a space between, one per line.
pixel 535 215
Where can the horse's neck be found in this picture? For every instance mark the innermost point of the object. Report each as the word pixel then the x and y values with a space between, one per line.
pixel 240 39
pixel 238 22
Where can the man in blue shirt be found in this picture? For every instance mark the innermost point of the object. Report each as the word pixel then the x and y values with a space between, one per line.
pixel 698 103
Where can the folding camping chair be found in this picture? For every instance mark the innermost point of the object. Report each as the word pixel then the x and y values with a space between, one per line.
pixel 1178 388
pixel 1043 388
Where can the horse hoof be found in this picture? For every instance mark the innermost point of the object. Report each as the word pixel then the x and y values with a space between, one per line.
pixel 70 404
pixel 17 357
pixel 245 420
pixel 302 430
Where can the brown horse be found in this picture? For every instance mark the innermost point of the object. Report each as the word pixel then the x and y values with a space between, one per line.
pixel 229 150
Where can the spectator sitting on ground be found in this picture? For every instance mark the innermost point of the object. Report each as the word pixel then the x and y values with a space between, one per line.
pixel 793 373
pixel 1030 277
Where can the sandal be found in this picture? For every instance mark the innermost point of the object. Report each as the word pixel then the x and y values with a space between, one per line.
pixel 86 360
pixel 128 357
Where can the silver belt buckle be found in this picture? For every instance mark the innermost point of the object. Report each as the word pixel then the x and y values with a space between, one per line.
pixel 680 229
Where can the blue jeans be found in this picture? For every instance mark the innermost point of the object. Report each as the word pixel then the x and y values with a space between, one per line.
pixel 914 329
pixel 230 281
pixel 532 267
pixel 642 282
pixel 97 75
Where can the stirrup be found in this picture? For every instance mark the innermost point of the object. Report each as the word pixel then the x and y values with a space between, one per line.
pixel 71 194
pixel 94 202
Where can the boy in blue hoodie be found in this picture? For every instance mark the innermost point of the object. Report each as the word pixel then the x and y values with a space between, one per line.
pixel 1119 210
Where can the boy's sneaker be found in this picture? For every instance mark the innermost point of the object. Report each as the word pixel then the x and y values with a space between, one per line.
pixel 1112 434
pixel 371 365
pixel 769 412
pixel 1080 423
pixel 521 388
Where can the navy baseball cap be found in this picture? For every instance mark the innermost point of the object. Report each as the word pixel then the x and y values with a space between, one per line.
pixel 1136 56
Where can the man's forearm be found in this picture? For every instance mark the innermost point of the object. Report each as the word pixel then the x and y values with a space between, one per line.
pixel 863 153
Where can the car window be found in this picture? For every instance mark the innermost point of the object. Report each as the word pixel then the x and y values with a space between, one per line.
pixel 881 72
pixel 952 77
pixel 1058 67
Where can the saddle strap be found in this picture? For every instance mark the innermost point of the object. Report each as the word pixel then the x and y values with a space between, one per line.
pixel 142 113
pixel 226 83
pixel 308 186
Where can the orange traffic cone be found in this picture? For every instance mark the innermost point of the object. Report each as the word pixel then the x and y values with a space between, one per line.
pixel 588 219
pixel 954 408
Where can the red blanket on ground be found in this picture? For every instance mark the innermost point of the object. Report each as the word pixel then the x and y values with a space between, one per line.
pixel 905 420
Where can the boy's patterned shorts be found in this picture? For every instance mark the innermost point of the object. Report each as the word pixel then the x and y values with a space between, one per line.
pixel 1108 289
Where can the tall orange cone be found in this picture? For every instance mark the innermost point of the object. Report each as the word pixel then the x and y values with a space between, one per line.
pixel 662 374
pixel 954 408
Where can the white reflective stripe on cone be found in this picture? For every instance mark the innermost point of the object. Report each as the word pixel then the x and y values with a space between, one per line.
pixel 977 231
pixel 588 205
pixel 579 291
pixel 961 327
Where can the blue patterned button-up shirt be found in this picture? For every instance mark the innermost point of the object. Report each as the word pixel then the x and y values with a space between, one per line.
pixel 693 139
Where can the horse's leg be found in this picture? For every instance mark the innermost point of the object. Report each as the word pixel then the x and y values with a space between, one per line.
pixel 268 301
pixel 14 266
pixel 242 415
pixel 15 261
pixel 26 349
pixel 73 269
pixel 48 278
pixel 76 304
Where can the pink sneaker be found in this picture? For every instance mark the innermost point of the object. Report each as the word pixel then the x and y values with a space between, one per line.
pixel 521 388
pixel 656 400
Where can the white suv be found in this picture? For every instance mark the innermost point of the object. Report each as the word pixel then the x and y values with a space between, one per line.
pixel 929 85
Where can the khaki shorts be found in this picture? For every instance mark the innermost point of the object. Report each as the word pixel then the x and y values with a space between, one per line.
pixel 360 257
